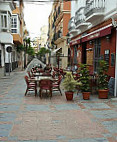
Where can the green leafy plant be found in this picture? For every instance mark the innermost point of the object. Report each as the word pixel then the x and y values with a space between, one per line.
pixel 43 51
pixel 20 48
pixel 69 83
pixel 102 75
pixel 84 78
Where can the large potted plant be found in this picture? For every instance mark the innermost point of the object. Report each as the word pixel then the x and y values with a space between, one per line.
pixel 70 85
pixel 103 80
pixel 85 80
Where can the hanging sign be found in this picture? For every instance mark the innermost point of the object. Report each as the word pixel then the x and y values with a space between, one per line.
pixel 9 49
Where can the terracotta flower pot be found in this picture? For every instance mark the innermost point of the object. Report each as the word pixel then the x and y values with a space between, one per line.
pixel 69 96
pixel 86 95
pixel 103 94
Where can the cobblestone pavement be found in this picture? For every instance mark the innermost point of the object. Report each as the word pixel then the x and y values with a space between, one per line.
pixel 33 119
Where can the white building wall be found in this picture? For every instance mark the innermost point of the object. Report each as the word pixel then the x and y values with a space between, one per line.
pixel 110 8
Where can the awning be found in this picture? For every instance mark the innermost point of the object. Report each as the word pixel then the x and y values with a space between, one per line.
pixel 98 33
pixel 54 52
pixel 93 35
pixel 75 41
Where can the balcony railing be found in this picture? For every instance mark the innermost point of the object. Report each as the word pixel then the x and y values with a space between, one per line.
pixel 71 25
pixel 79 18
pixel 95 6
pixel 57 35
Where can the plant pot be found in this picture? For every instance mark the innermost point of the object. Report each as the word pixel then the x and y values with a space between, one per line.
pixel 86 95
pixel 103 94
pixel 69 96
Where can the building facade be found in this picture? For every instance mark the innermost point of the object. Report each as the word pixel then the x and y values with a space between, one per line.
pixel 93 36
pixel 17 30
pixel 6 38
pixel 59 18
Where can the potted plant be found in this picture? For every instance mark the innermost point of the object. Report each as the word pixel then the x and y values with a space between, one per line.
pixel 85 80
pixel 70 85
pixel 103 80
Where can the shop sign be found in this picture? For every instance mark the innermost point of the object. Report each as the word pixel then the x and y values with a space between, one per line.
pixel 97 34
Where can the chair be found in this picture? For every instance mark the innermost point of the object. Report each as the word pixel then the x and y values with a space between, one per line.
pixel 29 74
pixel 56 84
pixel 31 86
pixel 45 84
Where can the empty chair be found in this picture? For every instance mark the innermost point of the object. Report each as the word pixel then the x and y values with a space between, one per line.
pixel 45 84
pixel 31 86
pixel 56 84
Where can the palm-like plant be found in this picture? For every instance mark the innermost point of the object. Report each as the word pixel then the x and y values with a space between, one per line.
pixel 102 75
pixel 84 78
pixel 69 83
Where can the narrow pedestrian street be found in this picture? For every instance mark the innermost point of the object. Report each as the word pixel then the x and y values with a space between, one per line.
pixel 29 118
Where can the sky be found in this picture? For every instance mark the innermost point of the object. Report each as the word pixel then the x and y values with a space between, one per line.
pixel 36 16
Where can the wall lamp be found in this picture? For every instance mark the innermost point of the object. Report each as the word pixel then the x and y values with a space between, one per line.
pixel 108 37
pixel 91 42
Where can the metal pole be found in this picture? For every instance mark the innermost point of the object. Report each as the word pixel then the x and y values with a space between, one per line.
pixel 115 91
pixel 9 63
pixel 4 60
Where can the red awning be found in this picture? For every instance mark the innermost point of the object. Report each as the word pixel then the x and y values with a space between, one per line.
pixel 97 34
pixel 74 42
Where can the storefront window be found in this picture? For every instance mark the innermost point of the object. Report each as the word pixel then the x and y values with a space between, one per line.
pixel 97 48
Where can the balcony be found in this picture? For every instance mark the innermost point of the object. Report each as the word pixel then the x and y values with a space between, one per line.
pixel 6 38
pixel 58 37
pixel 72 26
pixel 80 19
pixel 94 10
pixel 17 39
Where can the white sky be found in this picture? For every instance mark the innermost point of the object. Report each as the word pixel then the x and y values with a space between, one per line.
pixel 35 17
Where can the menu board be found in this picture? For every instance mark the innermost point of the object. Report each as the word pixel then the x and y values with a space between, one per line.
pixel 89 57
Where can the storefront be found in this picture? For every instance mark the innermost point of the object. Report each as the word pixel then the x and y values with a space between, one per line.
pixel 94 46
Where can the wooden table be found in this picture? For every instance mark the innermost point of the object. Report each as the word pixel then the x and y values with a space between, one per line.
pixel 38 78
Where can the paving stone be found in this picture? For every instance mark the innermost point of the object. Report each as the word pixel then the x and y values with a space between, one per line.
pixel 9 108
pixel 37 107
pixel 7 117
pixel 96 105
pixel 111 126
pixel 105 114
pixel 90 140
pixel 67 107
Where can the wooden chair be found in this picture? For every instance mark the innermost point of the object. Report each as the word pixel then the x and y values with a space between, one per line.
pixel 56 84
pixel 45 84
pixel 29 74
pixel 31 86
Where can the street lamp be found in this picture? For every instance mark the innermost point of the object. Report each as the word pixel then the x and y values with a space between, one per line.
pixel 114 23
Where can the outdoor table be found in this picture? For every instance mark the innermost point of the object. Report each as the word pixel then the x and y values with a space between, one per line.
pixel 40 74
pixel 38 78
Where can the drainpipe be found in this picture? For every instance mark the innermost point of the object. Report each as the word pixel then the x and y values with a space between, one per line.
pixel 114 23
pixel 115 91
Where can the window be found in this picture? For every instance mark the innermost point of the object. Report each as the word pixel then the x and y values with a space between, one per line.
pixel 97 48
pixel 4 20
pixel 14 24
